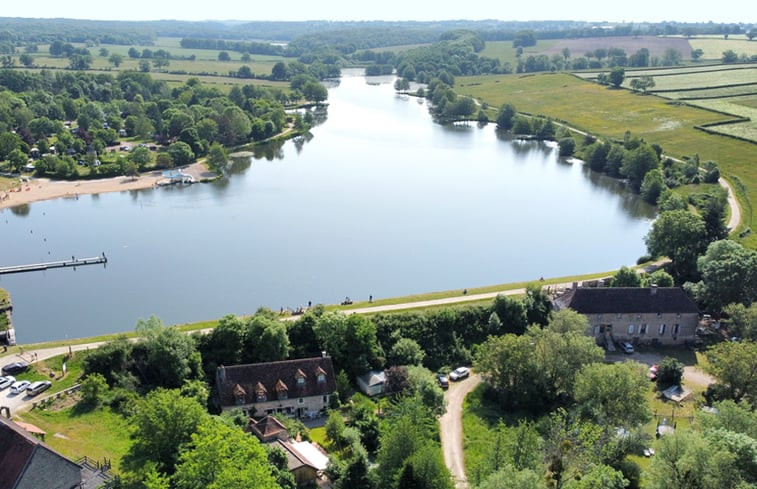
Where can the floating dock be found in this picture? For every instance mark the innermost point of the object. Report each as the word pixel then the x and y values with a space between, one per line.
pixel 38 267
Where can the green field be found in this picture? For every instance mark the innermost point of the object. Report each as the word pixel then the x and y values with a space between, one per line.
pixel 686 79
pixel 506 53
pixel 714 47
pixel 610 113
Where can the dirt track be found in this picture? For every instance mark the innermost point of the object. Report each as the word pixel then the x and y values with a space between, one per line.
pixel 451 425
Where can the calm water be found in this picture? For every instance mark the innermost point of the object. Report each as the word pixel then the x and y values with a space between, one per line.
pixel 379 200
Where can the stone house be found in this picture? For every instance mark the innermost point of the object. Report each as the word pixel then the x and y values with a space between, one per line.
pixel 639 315
pixel 301 388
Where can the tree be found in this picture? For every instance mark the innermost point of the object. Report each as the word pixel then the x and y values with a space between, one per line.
pixel 221 457
pixel 658 278
pixel 616 77
pixel 224 56
pixel 730 56
pixel 266 340
pixel 685 460
pixel 637 163
pixel 742 321
pixel 245 71
pixel 732 363
pixel 652 186
pixel 538 305
pixel 181 153
pixel 567 146
pixel 696 54
pixel 614 393
pixel 729 275
pixel 217 157
pixel 406 352
pixel 165 356
pixel 18 160
pixel 163 423
pixel 27 60
pixel 510 478
pixel 669 372
pixel 505 117
pixel 679 235
pixel 144 66
pixel 116 59
pixel 93 389
pixel 334 428
pixel 141 157
pixel 315 92
pixel 626 277
pixel 279 71
pixel 568 321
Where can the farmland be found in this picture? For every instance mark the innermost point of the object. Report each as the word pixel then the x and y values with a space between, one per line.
pixel 506 53
pixel 656 45
pixel 610 113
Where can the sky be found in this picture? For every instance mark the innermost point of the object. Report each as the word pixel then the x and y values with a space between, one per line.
pixel 295 10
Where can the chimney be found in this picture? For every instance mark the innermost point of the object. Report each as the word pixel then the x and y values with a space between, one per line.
pixel 221 374
pixel 575 285
pixel 653 289
pixel 323 354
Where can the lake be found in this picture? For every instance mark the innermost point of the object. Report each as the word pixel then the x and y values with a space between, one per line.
pixel 377 200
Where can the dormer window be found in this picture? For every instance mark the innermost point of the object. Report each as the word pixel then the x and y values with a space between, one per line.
pixel 320 375
pixel 300 376
pixel 261 395
pixel 239 395
pixel 281 390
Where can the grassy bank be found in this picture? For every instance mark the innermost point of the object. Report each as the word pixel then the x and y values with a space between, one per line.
pixel 610 113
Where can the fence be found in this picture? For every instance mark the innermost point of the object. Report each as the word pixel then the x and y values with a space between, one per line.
pixel 46 401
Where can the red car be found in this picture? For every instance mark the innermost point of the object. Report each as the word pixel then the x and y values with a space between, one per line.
pixel 653 373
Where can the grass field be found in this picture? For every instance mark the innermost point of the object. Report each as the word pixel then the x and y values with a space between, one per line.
pixel 506 53
pixel 610 113
pixel 100 433
pixel 714 47
pixel 687 79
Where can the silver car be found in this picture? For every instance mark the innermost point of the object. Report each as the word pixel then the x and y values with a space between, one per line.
pixel 6 382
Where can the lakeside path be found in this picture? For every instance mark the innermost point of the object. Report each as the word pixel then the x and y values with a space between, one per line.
pixel 39 189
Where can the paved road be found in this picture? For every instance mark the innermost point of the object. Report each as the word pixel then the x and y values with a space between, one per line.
pixel 21 401
pixel 451 427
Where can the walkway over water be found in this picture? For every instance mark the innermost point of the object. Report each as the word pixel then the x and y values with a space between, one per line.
pixel 38 267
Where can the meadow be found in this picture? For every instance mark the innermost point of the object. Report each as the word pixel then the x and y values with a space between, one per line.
pixel 611 112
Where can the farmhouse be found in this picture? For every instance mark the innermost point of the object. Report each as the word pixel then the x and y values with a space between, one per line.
pixel 298 388
pixel 640 315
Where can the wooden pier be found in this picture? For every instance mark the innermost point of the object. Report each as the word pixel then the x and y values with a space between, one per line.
pixel 38 267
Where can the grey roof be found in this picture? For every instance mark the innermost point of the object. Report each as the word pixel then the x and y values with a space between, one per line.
pixel 627 300
pixel 28 463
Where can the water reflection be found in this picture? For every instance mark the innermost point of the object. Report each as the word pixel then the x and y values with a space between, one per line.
pixel 21 210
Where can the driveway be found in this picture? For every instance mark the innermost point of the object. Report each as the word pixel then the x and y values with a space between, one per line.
pixel 451 424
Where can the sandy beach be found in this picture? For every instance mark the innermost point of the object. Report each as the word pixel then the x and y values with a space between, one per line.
pixel 38 189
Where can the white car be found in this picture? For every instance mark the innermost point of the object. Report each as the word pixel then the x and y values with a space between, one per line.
pixel 459 373
pixel 6 382
pixel 20 386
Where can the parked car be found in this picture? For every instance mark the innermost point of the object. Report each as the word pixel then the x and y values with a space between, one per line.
pixel 37 387
pixel 15 368
pixel 6 382
pixel 459 373
pixel 19 386
pixel 626 347
pixel 443 381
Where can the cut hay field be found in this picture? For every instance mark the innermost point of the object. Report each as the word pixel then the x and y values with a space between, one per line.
pixel 685 79
pixel 714 47
pixel 610 113
pixel 656 45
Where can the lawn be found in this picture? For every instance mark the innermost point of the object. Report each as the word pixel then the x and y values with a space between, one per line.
pixel 610 113
pixel 97 434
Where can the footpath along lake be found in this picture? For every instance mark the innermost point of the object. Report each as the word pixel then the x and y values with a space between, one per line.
pixel 379 201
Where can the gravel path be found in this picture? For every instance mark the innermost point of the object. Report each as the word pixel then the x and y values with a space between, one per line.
pixel 451 424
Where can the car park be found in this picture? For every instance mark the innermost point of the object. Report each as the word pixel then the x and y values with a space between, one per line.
pixel 6 382
pixel 443 381
pixel 37 387
pixel 15 368
pixel 19 386
pixel 459 373
pixel 626 347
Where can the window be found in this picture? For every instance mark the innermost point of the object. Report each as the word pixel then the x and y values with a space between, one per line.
pixel 326 399
pixel 638 316
pixel 643 328
pixel 631 328
pixel 659 314
pixel 676 327
pixel 619 315
pixel 596 330
pixel 301 400
pixel 321 378
pixel 283 394
pixel 661 331
pixel 261 397
pixel 300 380
pixel 678 314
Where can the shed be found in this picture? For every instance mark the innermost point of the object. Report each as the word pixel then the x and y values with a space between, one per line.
pixel 372 383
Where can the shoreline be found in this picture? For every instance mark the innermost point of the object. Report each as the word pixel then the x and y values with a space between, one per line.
pixel 40 189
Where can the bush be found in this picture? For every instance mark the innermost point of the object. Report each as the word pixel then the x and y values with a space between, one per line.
pixel 567 146
pixel 93 390
pixel 669 372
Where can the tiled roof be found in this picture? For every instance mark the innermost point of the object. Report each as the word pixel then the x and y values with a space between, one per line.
pixel 276 376
pixel 267 428
pixel 627 300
